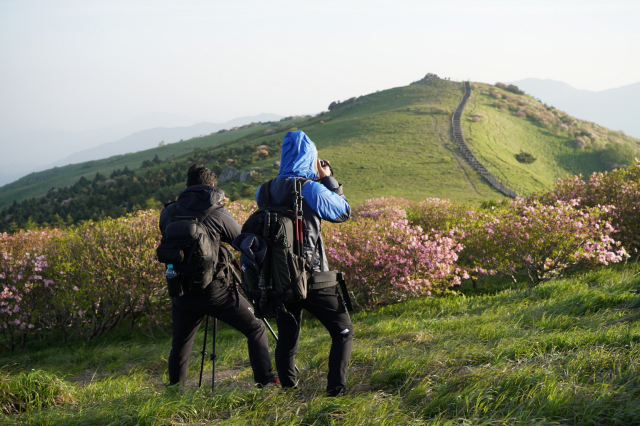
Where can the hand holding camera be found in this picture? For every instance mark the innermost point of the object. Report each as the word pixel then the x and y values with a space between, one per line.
pixel 324 169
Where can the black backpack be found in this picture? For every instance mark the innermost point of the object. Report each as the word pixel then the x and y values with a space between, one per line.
pixel 282 276
pixel 187 245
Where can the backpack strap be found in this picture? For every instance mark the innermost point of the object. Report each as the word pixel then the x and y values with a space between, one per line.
pixel 208 212
pixel 265 194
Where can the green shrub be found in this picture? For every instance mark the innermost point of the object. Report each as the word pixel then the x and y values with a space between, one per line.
pixel 525 157
pixel 514 89
pixel 616 155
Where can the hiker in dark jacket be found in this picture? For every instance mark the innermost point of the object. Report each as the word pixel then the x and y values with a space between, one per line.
pixel 218 299
pixel 323 200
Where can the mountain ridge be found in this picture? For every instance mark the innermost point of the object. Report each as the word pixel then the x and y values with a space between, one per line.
pixel 394 142
pixel 614 108
pixel 149 138
pixel 136 141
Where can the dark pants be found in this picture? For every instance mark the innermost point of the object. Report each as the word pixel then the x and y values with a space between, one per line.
pixel 328 307
pixel 218 301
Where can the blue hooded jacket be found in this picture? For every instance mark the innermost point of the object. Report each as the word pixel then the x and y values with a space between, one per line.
pixel 322 200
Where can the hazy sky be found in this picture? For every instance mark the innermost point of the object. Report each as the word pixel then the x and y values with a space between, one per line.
pixel 77 65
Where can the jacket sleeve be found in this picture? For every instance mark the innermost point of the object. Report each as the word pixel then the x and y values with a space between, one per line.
pixel 222 223
pixel 327 200
pixel 229 227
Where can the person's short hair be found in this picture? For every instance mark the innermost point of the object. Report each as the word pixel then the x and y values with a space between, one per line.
pixel 201 175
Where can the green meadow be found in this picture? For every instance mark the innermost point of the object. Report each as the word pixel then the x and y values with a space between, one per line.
pixel 566 352
pixel 500 135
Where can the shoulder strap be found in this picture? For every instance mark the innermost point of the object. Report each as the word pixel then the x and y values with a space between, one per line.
pixel 264 197
pixel 265 194
pixel 208 212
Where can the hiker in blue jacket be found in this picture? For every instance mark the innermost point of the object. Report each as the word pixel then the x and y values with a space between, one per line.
pixel 323 200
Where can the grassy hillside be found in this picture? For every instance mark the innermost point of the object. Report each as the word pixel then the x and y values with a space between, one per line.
pixel 395 142
pixel 38 183
pixel 510 124
pixel 566 352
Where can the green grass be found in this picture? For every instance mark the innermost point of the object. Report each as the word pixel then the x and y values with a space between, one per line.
pixel 566 352
pixel 500 135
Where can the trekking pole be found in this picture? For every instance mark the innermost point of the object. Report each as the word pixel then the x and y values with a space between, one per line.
pixel 298 203
pixel 204 348
pixel 214 354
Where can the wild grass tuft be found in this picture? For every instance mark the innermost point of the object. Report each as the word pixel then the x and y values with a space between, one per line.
pixel 32 390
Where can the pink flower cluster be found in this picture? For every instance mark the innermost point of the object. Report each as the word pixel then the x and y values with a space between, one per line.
pixel 391 260
pixel 619 188
pixel 391 208
pixel 25 284
pixel 82 282
pixel 241 209
pixel 538 240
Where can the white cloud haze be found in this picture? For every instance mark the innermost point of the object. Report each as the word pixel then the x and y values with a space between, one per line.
pixel 81 65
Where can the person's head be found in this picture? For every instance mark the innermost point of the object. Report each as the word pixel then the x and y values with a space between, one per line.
pixel 298 157
pixel 201 175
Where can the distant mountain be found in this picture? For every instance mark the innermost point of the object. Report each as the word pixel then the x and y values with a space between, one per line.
pixel 24 152
pixel 617 109
pixel 147 139
pixel 42 145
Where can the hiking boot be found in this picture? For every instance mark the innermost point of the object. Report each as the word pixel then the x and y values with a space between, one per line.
pixel 275 384
pixel 336 392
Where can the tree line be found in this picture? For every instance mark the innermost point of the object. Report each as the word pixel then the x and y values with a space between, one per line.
pixel 124 191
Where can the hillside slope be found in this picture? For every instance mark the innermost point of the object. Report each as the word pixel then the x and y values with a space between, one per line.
pixel 38 183
pixel 615 108
pixel 507 124
pixel 395 142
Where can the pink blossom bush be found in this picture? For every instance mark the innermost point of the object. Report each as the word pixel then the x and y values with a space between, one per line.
pixel 81 282
pixel 619 188
pixel 86 281
pixel 539 240
pixel 108 273
pixel 438 214
pixel 26 286
pixel 387 260
pixel 241 209
pixel 391 208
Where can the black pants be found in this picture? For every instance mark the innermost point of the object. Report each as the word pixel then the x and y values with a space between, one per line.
pixel 218 301
pixel 328 307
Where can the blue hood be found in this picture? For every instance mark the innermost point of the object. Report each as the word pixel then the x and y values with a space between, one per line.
pixel 298 156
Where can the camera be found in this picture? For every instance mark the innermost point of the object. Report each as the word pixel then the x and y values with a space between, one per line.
pixel 325 163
